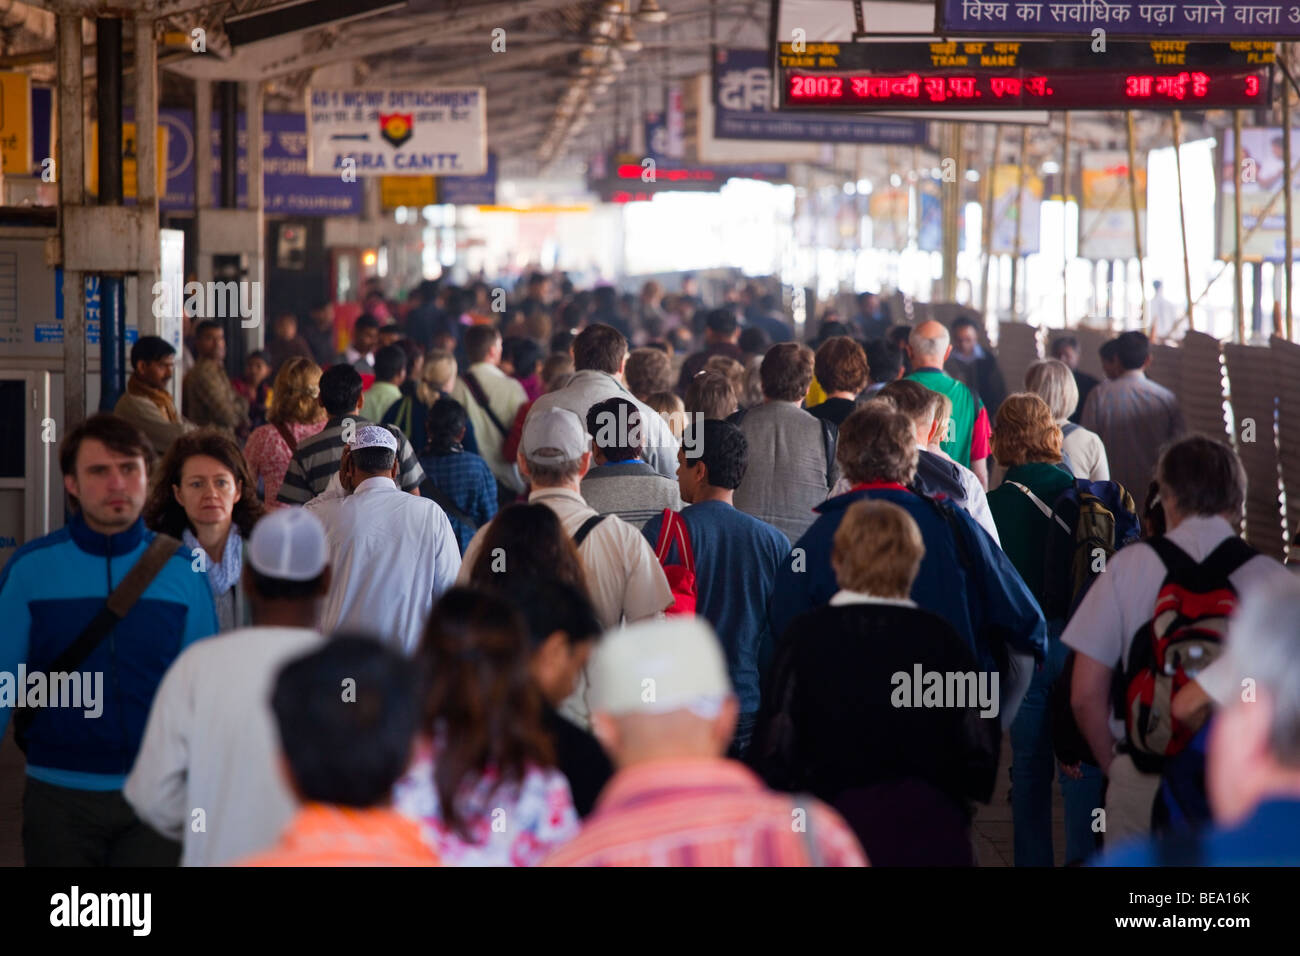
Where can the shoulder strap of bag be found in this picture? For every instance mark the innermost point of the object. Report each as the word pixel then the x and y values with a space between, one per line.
pixel 830 438
pixel 287 435
pixel 1177 562
pixel 1042 506
pixel 480 396
pixel 1069 428
pixel 1225 559
pixel 118 605
pixel 443 500
pixel 588 526
pixel 673 529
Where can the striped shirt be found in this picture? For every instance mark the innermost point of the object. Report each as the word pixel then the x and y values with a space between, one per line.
pixel 322 835
pixel 706 812
pixel 1134 417
pixel 317 461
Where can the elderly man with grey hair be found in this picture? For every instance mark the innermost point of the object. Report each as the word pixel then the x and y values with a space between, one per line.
pixel 967 441
pixel 665 712
pixel 1253 770
pixel 1202 487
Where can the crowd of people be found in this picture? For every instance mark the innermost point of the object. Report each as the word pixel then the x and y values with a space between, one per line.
pixel 568 578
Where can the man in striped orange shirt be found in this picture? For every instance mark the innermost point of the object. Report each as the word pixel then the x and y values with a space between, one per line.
pixel 663 708
pixel 347 715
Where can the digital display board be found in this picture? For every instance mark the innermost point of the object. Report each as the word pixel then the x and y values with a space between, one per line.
pixel 1203 19
pixel 1060 75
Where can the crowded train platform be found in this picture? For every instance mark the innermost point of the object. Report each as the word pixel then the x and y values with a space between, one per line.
pixel 649 433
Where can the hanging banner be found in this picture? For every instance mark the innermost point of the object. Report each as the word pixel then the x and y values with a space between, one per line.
pixel 16 123
pixel 1262 175
pixel 889 210
pixel 1220 19
pixel 1006 210
pixel 402 132
pixel 1106 213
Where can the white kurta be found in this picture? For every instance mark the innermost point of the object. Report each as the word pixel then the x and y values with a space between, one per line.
pixel 392 554
pixel 211 752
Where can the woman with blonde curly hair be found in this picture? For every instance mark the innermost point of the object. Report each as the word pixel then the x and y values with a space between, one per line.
pixel 1027 442
pixel 295 415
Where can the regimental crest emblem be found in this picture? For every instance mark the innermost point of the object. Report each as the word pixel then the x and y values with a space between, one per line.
pixel 397 128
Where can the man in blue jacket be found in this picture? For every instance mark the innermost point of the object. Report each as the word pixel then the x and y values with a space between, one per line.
pixel 964 577
pixel 85 726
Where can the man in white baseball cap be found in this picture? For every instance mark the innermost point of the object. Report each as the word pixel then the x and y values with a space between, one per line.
pixel 209 753
pixel 663 707
pixel 393 553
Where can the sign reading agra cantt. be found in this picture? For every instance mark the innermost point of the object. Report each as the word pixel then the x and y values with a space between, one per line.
pixel 1149 19
pixel 398 132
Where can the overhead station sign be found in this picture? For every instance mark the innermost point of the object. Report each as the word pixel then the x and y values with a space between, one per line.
pixel 1009 75
pixel 742 97
pixel 1207 19
pixel 631 181
pixel 398 132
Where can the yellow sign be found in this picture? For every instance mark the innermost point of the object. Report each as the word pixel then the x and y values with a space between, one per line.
pixel 395 191
pixel 129 174
pixel 16 123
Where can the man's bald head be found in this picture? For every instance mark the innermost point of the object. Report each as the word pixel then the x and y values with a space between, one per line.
pixel 929 345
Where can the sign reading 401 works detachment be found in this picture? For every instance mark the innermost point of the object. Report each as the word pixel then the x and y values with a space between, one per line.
pixel 404 132
pixel 1192 19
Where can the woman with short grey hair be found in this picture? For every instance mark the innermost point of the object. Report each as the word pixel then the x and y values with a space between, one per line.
pixel 1082 450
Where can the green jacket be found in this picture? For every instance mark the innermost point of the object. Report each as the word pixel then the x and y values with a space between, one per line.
pixel 1022 527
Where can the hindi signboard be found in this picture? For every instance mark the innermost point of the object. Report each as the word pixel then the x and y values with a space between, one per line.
pixel 742 97
pixel 1263 176
pixel 1011 75
pixel 398 132
pixel 1203 19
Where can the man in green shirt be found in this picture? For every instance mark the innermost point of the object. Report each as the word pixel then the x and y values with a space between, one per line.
pixel 967 440
pixel 390 373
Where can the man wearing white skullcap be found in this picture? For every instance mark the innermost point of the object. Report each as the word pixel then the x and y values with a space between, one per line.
pixel 209 754
pixel 392 553
pixel 662 706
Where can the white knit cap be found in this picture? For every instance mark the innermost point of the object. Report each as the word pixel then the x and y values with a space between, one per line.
pixel 288 544
pixel 373 436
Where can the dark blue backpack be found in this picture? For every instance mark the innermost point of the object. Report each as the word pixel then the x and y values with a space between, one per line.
pixel 1104 519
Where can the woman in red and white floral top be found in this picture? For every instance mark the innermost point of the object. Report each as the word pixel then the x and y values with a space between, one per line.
pixel 296 414
pixel 484 783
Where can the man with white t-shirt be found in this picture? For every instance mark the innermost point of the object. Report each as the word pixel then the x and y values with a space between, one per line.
pixel 1202 488
pixel 208 770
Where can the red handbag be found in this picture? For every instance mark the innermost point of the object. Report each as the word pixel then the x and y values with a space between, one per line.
pixel 681 577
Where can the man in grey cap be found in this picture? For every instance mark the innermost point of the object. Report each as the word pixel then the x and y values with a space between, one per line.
pixel 207 772
pixel 393 553
pixel 624 577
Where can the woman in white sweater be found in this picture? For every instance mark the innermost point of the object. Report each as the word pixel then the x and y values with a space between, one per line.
pixel 1082 450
